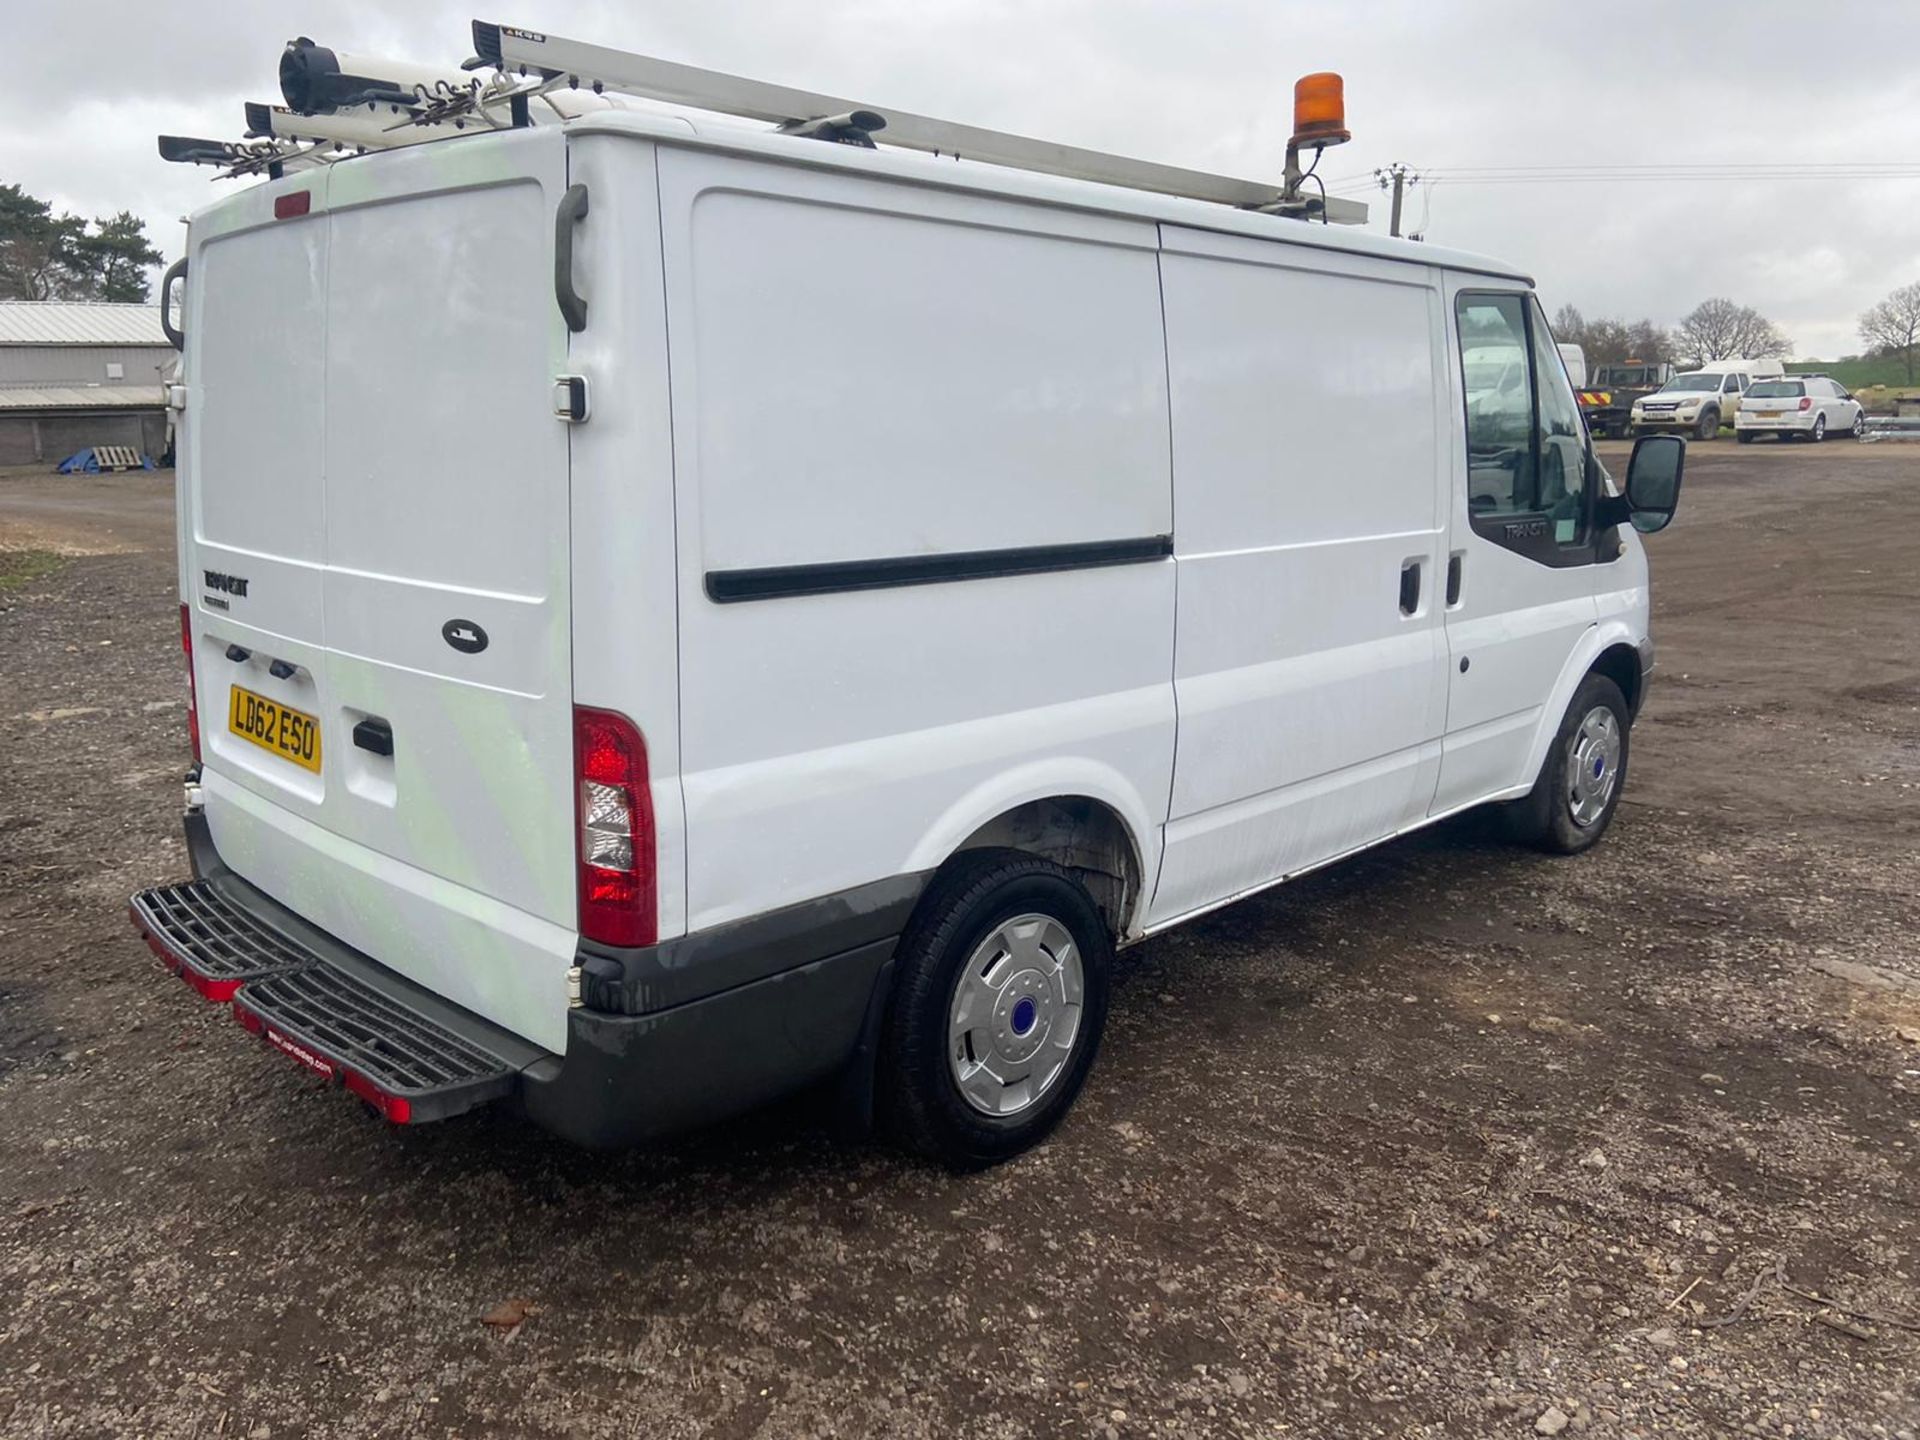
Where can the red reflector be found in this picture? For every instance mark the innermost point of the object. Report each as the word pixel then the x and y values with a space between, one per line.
pixel 396 1108
pixel 218 991
pixel 613 804
pixel 193 689
pixel 249 1021
pixel 292 204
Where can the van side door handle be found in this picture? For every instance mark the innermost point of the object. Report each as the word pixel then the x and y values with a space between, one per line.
pixel 570 212
pixel 1410 587
pixel 1453 578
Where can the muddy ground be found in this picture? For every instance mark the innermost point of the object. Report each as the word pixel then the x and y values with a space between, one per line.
pixel 1448 1141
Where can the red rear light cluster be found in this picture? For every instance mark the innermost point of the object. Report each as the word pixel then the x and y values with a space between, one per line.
pixel 1806 402
pixel 193 692
pixel 292 205
pixel 614 807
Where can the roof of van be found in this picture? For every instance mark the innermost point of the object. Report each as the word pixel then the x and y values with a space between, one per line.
pixel 727 134
pixel 703 131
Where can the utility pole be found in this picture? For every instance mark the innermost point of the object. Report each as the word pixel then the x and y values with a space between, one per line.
pixel 1399 179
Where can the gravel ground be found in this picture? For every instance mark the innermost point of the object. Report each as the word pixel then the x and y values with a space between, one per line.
pixel 1451 1140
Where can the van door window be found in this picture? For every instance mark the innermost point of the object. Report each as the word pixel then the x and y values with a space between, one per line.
pixel 1729 386
pixel 1528 476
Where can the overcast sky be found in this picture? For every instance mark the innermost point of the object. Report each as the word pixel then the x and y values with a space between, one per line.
pixel 1206 83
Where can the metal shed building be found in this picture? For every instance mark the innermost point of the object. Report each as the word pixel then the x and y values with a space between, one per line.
pixel 76 373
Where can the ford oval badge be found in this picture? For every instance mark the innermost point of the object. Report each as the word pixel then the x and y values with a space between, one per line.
pixel 464 636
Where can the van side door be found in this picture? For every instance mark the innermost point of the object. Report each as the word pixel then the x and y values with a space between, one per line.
pixel 1522 544
pixel 1310 473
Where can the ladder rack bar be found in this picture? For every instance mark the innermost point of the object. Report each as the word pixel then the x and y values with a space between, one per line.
pixel 511 49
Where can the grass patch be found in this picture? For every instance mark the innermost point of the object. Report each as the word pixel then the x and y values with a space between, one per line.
pixel 1858 374
pixel 23 567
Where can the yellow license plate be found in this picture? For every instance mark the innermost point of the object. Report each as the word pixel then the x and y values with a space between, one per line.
pixel 291 734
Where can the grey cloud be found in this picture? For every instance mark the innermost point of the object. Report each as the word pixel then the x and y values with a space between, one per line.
pixel 1473 82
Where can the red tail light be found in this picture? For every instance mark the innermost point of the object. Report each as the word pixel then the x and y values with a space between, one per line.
pixel 1806 402
pixel 193 692
pixel 614 807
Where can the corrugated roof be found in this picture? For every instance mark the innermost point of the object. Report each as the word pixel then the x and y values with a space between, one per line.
pixel 79 322
pixel 82 397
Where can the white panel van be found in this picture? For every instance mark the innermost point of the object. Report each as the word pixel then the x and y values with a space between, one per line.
pixel 679 613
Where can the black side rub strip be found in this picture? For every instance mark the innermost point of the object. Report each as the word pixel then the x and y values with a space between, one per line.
pixel 777 582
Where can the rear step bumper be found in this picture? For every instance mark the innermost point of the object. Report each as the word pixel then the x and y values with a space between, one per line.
pixel 411 1055
pixel 415 1056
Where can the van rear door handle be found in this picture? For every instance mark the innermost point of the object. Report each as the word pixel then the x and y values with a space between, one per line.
pixel 1453 578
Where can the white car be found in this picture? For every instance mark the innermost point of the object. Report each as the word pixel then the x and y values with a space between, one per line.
pixel 814 702
pixel 1696 401
pixel 1808 407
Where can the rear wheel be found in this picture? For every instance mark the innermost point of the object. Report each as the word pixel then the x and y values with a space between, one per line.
pixel 998 1008
pixel 1745 437
pixel 1819 429
pixel 1572 803
pixel 1709 424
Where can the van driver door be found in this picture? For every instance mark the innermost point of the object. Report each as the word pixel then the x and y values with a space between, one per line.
pixel 1521 539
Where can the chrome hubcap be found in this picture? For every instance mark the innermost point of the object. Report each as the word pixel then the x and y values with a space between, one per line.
pixel 1015 1014
pixel 1593 765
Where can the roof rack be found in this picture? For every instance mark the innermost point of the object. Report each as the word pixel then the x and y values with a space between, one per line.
pixel 554 60
pixel 341 105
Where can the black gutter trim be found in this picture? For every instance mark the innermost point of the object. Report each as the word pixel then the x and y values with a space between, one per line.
pixel 693 967
pixel 777 582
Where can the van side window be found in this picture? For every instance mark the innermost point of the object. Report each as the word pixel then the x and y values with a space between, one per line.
pixel 1729 386
pixel 1563 443
pixel 1528 475
pixel 1501 464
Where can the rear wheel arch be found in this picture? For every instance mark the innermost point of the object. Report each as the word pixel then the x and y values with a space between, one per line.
pixel 1086 837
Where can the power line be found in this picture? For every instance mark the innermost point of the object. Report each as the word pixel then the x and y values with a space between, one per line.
pixel 1637 174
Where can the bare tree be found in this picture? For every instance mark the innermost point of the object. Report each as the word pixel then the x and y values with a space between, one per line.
pixel 1647 341
pixel 1718 329
pixel 1608 342
pixel 1893 326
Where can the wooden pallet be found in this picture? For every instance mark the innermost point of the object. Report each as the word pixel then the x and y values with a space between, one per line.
pixel 117 457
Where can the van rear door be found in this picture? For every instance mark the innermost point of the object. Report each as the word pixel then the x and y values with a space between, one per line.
pixel 372 447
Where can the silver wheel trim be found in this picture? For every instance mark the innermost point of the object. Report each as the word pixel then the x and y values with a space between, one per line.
pixel 1593 765
pixel 1859 423
pixel 1015 1015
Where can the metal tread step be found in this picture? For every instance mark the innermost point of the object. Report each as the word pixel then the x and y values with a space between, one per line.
pixel 212 944
pixel 328 1021
pixel 410 1054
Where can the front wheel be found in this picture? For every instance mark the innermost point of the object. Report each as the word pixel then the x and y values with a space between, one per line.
pixel 1572 803
pixel 1859 427
pixel 1709 425
pixel 998 1008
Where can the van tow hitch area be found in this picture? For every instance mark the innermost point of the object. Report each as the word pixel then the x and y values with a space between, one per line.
pixel 354 1030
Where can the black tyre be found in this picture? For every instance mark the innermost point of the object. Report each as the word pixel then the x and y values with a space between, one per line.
pixel 1819 429
pixel 1709 425
pixel 1745 437
pixel 1859 426
pixel 1572 803
pixel 999 1002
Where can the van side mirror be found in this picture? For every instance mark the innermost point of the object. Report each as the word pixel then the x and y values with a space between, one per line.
pixel 1653 481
